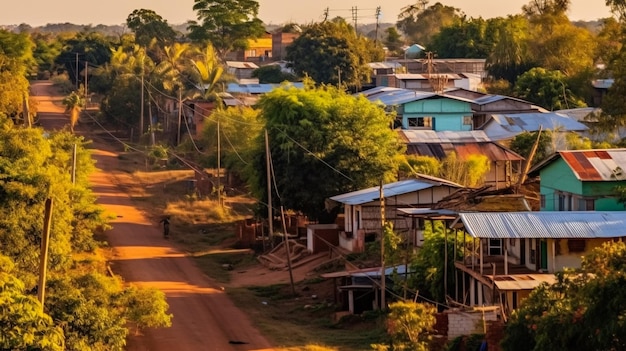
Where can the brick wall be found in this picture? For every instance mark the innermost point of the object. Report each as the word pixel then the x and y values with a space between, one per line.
pixel 495 333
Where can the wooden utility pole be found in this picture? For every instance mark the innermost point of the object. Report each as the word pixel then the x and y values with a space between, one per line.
pixel 383 277
pixel 43 258
pixel 377 24
pixel 76 73
pixel 74 164
pixel 286 241
pixel 219 165
pixel 26 111
pixel 529 160
pixel 268 164
pixel 86 67
pixel 180 114
pixel 141 108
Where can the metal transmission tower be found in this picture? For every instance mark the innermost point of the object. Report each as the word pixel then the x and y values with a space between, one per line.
pixel 377 24
pixel 354 17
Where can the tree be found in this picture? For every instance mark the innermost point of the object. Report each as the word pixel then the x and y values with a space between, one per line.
pixel 547 89
pixel 510 57
pixel 24 324
pixel 546 7
pixel 272 74
pixel 469 171
pixel 409 324
pixel 618 7
pixel 393 41
pixel 473 38
pixel 73 105
pixel 331 53
pixel 226 24
pixel 87 46
pixel 206 73
pixel 523 143
pixel 583 310
pixel 323 142
pixel 148 25
pixel 420 24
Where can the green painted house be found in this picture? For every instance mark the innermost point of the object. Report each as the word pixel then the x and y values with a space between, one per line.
pixel 581 180
pixel 424 110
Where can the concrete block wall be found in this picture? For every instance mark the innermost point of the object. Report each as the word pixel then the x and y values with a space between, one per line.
pixel 466 323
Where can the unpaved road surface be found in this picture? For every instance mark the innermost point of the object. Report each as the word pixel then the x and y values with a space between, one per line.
pixel 204 317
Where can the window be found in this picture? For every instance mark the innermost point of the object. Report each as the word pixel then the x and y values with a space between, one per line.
pixel 576 245
pixel 533 252
pixel 467 120
pixel 495 247
pixel 420 122
pixel 586 204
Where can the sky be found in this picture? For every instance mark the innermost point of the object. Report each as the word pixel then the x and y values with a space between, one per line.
pixel 41 12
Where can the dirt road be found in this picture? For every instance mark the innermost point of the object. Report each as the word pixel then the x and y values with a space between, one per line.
pixel 204 316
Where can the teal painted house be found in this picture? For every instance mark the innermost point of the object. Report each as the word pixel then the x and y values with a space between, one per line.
pixel 582 180
pixel 424 110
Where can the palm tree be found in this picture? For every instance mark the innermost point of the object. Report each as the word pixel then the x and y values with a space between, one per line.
pixel 73 104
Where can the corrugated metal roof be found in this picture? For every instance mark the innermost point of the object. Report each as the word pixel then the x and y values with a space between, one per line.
pixel 431 136
pixel 597 165
pixel 384 65
pixel 392 189
pixel 257 88
pixel 545 224
pixel 241 64
pixel 504 126
pixel 438 144
pixel 602 83
pixel 515 282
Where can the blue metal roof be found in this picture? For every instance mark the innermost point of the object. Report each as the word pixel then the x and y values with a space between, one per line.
pixel 236 88
pixel 392 189
pixel 545 224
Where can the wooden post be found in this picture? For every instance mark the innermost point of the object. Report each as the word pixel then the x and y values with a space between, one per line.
pixel 286 241
pixel 382 247
pixel 445 261
pixel 268 165
pixel 43 258
pixel 74 164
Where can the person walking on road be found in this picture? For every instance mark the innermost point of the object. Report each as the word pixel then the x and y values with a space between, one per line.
pixel 166 226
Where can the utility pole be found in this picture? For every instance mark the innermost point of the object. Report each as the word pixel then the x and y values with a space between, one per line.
pixel 141 109
pixel 180 114
pixel 219 165
pixel 383 277
pixel 76 72
pixel 26 111
pixel 354 18
pixel 86 66
pixel 74 164
pixel 377 24
pixel 326 11
pixel 270 217
pixel 286 241
pixel 43 258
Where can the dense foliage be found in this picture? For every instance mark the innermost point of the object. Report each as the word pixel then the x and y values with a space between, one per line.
pixel 584 310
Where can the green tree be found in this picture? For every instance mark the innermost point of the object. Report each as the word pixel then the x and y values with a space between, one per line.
pixel 331 53
pixel 469 171
pixel 473 38
pixel 323 142
pixel 86 46
pixel 409 324
pixel 547 89
pixel 510 57
pixel 584 310
pixel 147 26
pixel 272 74
pixel 23 324
pixel 420 24
pixel 546 7
pixel 393 41
pixel 618 7
pixel 73 104
pixel 206 72
pixel 226 24
pixel 523 143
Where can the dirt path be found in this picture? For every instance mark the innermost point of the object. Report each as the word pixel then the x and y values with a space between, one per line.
pixel 204 316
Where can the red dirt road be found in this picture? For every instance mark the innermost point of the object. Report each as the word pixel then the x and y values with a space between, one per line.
pixel 204 317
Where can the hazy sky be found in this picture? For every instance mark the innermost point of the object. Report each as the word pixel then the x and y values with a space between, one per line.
pixel 40 12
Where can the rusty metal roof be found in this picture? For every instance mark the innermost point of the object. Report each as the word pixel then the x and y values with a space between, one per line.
pixel 544 224
pixel 597 165
pixel 465 143
pixel 514 282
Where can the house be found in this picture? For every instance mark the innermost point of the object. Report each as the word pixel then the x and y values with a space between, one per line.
pixel 258 50
pixel 502 127
pixel 488 105
pixel 280 41
pixel 195 112
pixel 240 69
pixel 424 110
pixel 362 208
pixel 429 81
pixel 446 65
pixel 581 180
pixel 508 254
pixel 505 164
